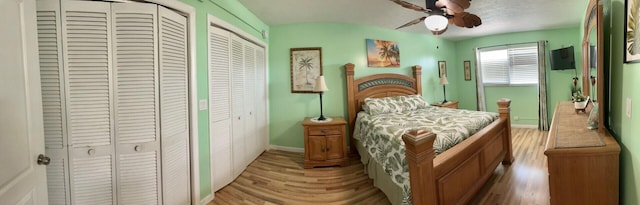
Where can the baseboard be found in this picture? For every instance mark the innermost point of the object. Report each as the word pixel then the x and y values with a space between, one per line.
pixel 524 126
pixel 288 149
pixel 207 199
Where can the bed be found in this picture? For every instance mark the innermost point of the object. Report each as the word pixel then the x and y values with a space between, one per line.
pixel 453 176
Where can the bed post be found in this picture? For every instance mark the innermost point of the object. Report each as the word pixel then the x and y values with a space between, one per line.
pixel 417 74
pixel 351 106
pixel 420 154
pixel 504 108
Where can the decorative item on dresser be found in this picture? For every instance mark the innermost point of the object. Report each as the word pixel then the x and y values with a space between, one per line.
pixel 448 104
pixel 453 176
pixel 324 142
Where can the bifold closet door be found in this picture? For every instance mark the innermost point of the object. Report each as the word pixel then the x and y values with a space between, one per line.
pixel 135 70
pixel 52 85
pixel 174 107
pixel 237 106
pixel 220 107
pixel 86 35
pixel 251 144
pixel 261 101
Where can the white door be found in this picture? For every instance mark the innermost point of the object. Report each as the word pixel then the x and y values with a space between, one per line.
pixel 22 180
pixel 237 89
pixel 220 107
pixel 174 107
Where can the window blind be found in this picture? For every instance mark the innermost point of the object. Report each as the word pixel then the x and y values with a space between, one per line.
pixel 509 65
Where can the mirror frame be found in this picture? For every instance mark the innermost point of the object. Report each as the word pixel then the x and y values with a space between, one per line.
pixel 597 8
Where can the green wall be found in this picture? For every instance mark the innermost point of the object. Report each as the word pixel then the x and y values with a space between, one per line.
pixel 624 84
pixel 236 14
pixel 341 44
pixel 524 99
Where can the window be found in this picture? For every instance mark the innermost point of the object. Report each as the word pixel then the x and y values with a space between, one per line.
pixel 509 65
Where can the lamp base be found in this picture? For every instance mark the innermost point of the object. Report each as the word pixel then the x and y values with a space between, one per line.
pixel 326 119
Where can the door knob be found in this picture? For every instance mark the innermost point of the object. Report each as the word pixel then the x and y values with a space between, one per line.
pixel 43 160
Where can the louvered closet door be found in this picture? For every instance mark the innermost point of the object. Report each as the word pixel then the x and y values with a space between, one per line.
pixel 237 105
pixel 87 56
pixel 261 100
pixel 135 66
pixel 251 143
pixel 174 117
pixel 51 75
pixel 220 106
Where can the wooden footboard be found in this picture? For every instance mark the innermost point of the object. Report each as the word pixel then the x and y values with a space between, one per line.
pixel 455 176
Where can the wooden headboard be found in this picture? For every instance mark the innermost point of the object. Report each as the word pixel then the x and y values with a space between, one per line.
pixel 377 86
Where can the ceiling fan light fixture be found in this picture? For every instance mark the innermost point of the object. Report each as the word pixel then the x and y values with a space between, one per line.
pixel 436 22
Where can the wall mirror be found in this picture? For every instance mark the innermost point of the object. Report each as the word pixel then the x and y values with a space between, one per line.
pixel 593 57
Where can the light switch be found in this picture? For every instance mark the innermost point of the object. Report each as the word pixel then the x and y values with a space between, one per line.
pixel 203 104
pixel 629 108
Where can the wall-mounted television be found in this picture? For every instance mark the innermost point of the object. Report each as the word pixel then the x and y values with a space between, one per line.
pixel 563 59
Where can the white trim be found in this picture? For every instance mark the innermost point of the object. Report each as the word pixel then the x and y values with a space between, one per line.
pixel 207 199
pixel 232 28
pixel 524 126
pixel 190 13
pixel 288 149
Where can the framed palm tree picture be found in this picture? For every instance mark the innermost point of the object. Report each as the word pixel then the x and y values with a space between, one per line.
pixel 306 67
pixel 381 53
pixel 632 31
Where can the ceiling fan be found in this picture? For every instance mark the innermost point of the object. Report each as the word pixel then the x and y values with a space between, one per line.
pixel 452 11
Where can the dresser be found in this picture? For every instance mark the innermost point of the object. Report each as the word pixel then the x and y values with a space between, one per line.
pixel 449 104
pixel 583 164
pixel 324 142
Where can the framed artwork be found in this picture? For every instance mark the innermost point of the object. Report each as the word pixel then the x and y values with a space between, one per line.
pixel 306 67
pixel 632 31
pixel 382 53
pixel 467 70
pixel 442 68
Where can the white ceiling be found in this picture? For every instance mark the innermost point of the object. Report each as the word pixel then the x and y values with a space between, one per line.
pixel 498 16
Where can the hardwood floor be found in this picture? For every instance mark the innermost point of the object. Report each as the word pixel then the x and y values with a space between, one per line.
pixel 278 177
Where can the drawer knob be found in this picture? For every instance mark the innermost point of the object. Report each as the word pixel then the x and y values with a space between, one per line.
pixel 323 130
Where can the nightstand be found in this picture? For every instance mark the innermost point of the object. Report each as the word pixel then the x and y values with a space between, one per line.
pixel 449 104
pixel 324 143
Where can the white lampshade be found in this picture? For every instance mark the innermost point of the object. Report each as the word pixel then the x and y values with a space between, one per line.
pixel 443 80
pixel 321 86
pixel 436 22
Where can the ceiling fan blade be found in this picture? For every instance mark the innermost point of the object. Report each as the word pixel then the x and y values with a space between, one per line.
pixel 410 6
pixel 410 23
pixel 471 20
pixel 457 20
pixel 464 4
pixel 450 6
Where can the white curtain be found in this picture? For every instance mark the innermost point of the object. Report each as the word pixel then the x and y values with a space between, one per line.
pixel 482 106
pixel 543 120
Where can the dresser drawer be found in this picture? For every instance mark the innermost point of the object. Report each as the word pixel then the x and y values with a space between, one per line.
pixel 325 130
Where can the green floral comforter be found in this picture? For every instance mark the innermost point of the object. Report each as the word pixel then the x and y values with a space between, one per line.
pixel 381 135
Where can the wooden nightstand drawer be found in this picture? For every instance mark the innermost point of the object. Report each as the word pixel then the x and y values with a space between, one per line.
pixel 325 130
